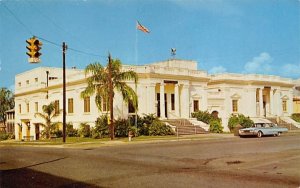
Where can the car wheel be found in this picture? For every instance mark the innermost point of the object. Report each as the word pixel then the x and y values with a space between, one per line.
pixel 279 133
pixel 259 134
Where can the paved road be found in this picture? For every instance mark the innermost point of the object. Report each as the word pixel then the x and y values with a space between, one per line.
pixel 235 162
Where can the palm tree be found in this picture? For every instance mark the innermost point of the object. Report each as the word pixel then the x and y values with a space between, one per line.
pixel 103 81
pixel 48 114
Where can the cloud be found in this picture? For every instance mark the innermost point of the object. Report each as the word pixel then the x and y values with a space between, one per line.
pixel 217 69
pixel 260 64
pixel 290 70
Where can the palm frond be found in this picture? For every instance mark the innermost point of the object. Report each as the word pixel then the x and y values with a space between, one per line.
pixel 128 75
pixel 128 93
pixel 43 116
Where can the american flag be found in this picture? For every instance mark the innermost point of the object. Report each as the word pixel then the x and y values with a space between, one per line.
pixel 142 28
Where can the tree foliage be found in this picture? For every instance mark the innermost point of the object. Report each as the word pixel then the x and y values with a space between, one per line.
pixel 239 119
pixel 203 116
pixel 214 122
pixel 296 117
pixel 99 84
pixel 48 115
pixel 6 102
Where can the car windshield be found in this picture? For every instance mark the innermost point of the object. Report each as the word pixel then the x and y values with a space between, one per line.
pixel 266 125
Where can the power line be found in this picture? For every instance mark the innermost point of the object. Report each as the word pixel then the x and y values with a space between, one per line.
pixel 44 39
pixel 17 19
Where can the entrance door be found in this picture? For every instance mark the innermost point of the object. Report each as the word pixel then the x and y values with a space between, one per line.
pixel 264 109
pixel 20 133
pixel 158 104
pixel 166 105
pixel 37 131
pixel 28 132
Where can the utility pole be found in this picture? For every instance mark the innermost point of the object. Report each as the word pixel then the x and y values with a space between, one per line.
pixel 64 47
pixel 111 95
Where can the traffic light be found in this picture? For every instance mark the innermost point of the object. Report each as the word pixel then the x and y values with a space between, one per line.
pixel 34 45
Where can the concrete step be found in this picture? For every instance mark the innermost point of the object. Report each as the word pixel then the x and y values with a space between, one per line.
pixel 184 127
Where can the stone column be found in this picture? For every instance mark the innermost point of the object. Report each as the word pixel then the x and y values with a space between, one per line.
pixel 151 99
pixel 251 102
pixel 278 102
pixel 271 101
pixel 185 102
pixel 176 93
pixel 261 107
pixel 162 101
pixel 290 103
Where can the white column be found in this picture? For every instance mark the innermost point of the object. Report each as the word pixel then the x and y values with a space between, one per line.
pixel 261 107
pixel 251 102
pixel 185 102
pixel 177 112
pixel 278 106
pixel 271 101
pixel 151 99
pixel 162 101
pixel 290 103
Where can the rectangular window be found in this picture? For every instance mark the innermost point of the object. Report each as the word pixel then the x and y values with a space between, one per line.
pixel 27 82
pixel 27 107
pixel 234 105
pixel 36 80
pixel 284 106
pixel 172 101
pixel 36 104
pixel 56 106
pixel 196 105
pixel 19 84
pixel 87 104
pixel 131 108
pixel 70 106
pixel 20 108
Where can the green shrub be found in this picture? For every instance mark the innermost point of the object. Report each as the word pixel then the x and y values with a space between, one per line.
pixel 55 131
pixel 233 122
pixel 101 128
pixel 84 130
pixel 215 126
pixel 296 117
pixel 122 127
pixel 4 136
pixel 133 130
pixel 143 123
pixel 239 119
pixel 203 116
pixel 70 131
pixel 158 128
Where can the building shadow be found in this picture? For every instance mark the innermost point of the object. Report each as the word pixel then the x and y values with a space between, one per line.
pixel 26 177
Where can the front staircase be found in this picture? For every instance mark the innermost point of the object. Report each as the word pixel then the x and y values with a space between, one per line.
pixel 281 123
pixel 185 127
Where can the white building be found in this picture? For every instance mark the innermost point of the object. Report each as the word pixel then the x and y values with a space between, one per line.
pixel 170 89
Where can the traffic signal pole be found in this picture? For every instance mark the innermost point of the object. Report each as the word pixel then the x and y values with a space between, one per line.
pixel 64 47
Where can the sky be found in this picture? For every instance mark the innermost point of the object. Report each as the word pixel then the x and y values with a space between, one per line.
pixel 233 36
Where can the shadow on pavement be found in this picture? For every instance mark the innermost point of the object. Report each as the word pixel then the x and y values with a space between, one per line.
pixel 25 177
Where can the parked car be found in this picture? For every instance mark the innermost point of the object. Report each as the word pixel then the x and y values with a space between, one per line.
pixel 262 129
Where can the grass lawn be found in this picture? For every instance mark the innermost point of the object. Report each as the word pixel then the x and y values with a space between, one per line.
pixel 91 141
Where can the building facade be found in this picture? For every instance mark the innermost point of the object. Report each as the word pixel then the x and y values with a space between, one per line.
pixel 170 89
pixel 10 121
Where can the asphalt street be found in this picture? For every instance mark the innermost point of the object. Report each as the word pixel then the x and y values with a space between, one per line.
pixel 231 162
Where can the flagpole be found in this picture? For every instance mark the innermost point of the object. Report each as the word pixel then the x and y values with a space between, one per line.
pixel 136 63
pixel 136 46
